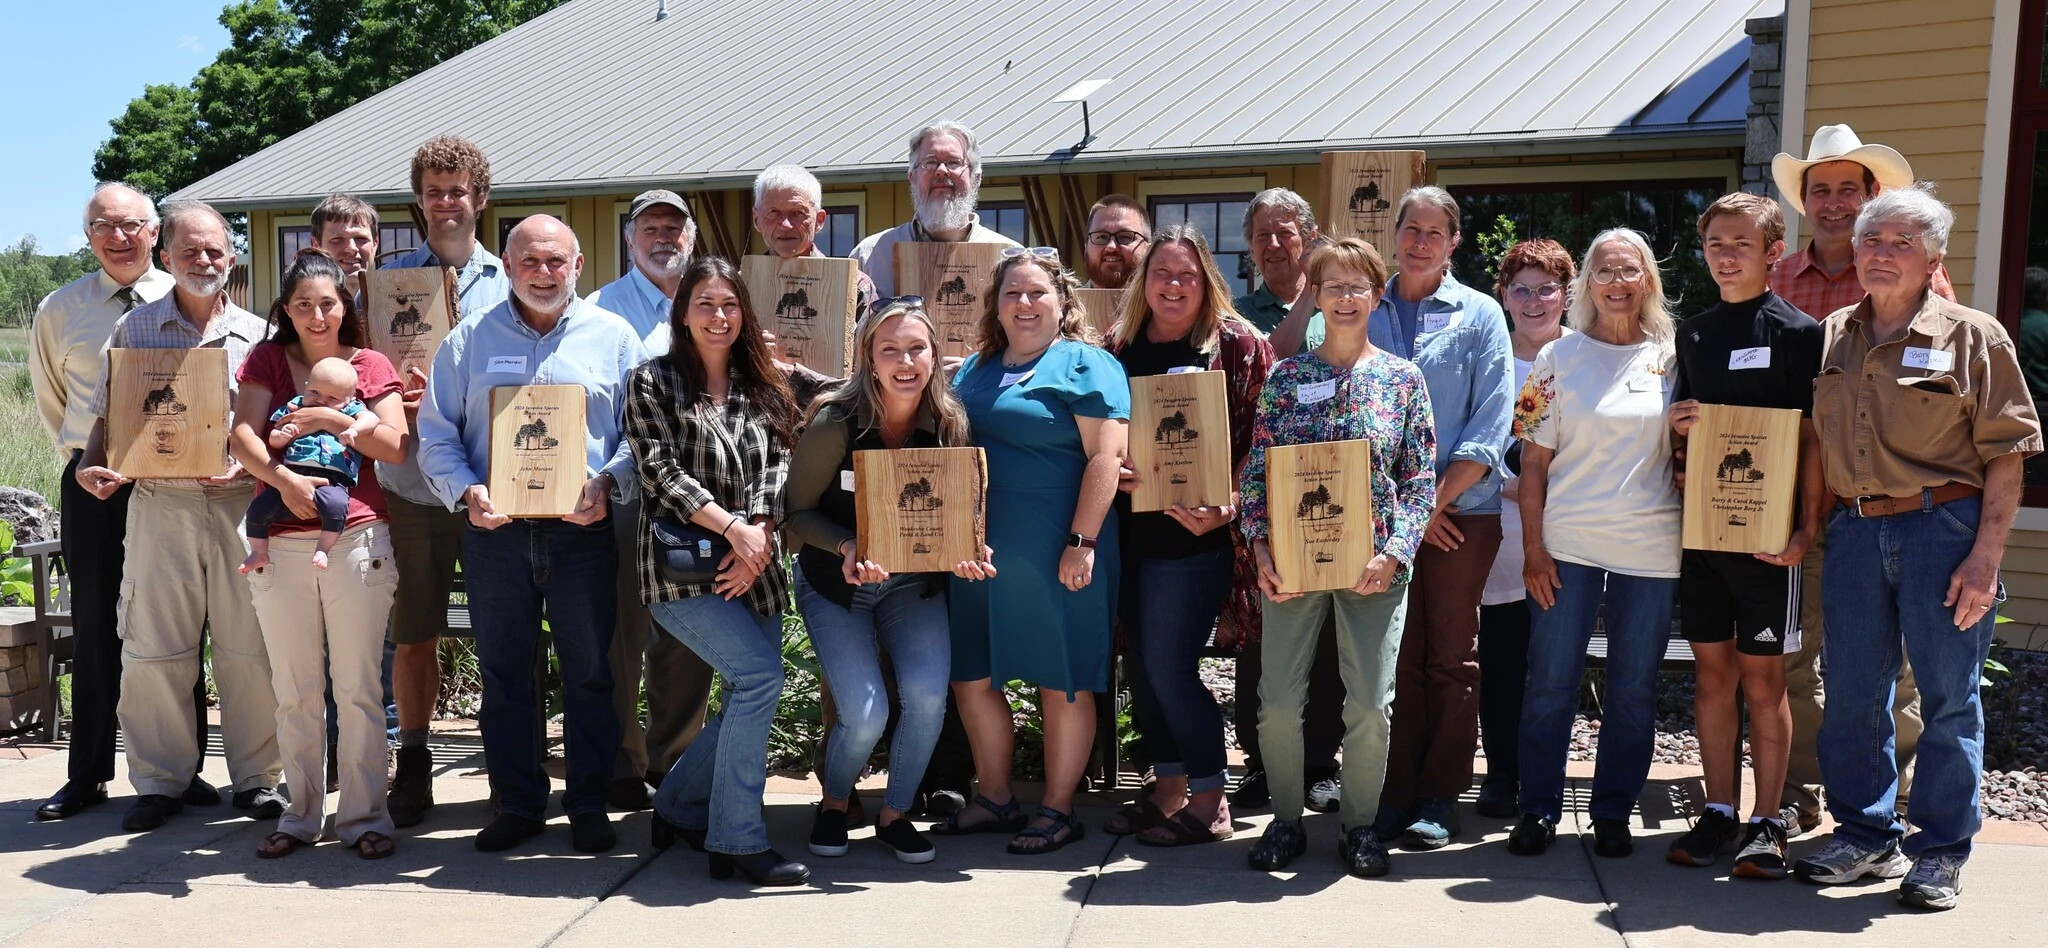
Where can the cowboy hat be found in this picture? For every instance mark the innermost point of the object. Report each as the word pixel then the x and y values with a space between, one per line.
pixel 1838 143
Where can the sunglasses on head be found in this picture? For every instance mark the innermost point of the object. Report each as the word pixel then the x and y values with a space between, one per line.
pixel 1041 253
pixel 912 302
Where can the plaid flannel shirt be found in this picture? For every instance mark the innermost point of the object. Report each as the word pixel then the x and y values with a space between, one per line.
pixel 685 463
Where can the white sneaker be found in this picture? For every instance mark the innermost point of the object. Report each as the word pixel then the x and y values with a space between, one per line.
pixel 1324 795
pixel 1843 861
pixel 1934 882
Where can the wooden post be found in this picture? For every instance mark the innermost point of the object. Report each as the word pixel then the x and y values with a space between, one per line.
pixel 921 509
pixel 1180 444
pixel 808 303
pixel 167 412
pixel 409 311
pixel 1741 475
pixel 955 279
pixel 1362 191
pixel 537 460
pixel 1319 502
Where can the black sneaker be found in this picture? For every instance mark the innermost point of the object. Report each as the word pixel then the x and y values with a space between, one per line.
pixel 1282 842
pixel 1252 792
pixel 1363 854
pixel 1497 799
pixel 199 793
pixel 263 803
pixel 506 831
pixel 1710 835
pixel 1611 839
pixel 1763 851
pixel 1532 836
pixel 828 833
pixel 412 787
pixel 150 811
pixel 592 832
pixel 1391 822
pixel 909 844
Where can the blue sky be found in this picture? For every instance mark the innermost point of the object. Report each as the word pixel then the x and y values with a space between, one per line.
pixel 73 65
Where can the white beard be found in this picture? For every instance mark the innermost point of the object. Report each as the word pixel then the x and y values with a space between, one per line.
pixel 205 286
pixel 941 214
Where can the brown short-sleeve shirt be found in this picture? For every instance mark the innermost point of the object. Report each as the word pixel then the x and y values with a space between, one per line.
pixel 1931 406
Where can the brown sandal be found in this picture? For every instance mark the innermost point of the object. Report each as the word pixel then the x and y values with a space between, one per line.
pixel 375 845
pixel 279 845
pixel 1184 829
pixel 1134 818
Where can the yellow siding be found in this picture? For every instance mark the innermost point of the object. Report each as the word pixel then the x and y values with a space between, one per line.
pixel 1912 75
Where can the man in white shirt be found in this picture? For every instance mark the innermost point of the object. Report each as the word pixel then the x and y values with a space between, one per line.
pixel 945 184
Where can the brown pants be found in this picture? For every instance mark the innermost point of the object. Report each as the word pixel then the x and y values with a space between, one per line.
pixel 1436 682
pixel 678 682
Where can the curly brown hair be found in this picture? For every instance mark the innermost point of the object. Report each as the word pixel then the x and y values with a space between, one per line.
pixel 448 153
pixel 1542 254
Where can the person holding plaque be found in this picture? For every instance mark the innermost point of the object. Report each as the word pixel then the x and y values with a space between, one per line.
pixel 1535 278
pixel 1181 565
pixel 323 621
pixel 515 567
pixel 1740 611
pixel 1925 423
pixel 1051 411
pixel 1599 512
pixel 945 185
pixel 1344 389
pixel 710 424
pixel 851 605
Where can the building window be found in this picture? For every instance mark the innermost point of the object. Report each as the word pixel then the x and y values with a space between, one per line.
pixel 1666 212
pixel 841 232
pixel 1005 218
pixel 2024 249
pixel 1220 218
pixel 290 240
pixel 395 239
pixel 625 245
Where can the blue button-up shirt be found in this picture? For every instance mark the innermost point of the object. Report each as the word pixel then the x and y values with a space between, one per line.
pixel 637 300
pixel 479 285
pixel 1458 337
pixel 587 346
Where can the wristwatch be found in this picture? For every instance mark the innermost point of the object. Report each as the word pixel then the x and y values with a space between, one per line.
pixel 1080 542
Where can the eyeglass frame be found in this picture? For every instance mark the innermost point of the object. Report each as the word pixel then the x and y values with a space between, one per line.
pixel 1036 253
pixel 1115 237
pixel 139 224
pixel 935 166
pixel 1612 275
pixel 1522 291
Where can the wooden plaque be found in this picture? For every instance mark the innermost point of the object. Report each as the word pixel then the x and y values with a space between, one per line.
pixel 1362 191
pixel 1319 501
pixel 1104 308
pixel 1741 475
pixel 921 509
pixel 1180 440
pixel 167 412
pixel 409 311
pixel 954 279
pixel 808 303
pixel 538 464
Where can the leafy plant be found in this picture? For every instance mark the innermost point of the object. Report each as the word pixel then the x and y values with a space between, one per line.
pixel 1494 244
pixel 17 573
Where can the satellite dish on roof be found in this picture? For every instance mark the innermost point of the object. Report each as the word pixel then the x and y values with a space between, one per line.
pixel 1079 92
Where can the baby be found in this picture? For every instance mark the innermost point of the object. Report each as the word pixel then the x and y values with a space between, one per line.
pixel 331 457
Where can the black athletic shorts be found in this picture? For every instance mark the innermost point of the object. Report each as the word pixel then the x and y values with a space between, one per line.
pixel 1735 595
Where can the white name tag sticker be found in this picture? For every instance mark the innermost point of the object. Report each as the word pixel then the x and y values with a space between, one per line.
pixel 1645 382
pixel 1757 358
pixel 846 481
pixel 1183 369
pixel 1012 378
pixel 1933 360
pixel 506 364
pixel 1315 392
pixel 1435 322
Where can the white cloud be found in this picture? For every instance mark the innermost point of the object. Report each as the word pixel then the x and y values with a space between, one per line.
pixel 190 44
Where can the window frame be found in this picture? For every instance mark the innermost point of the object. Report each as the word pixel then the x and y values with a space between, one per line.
pixel 1154 199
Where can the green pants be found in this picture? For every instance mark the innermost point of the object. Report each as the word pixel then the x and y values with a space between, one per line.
pixel 1368 645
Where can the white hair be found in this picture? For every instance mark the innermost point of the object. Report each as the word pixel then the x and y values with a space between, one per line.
pixel 1916 207
pixel 951 128
pixel 1655 315
pixel 178 215
pixel 86 215
pixel 1284 201
pixel 789 178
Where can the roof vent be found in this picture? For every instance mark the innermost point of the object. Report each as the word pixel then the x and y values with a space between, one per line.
pixel 660 10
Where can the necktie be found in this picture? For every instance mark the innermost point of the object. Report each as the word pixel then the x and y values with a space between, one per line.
pixel 126 295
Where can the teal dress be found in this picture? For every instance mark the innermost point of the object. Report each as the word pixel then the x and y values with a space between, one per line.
pixel 1023 625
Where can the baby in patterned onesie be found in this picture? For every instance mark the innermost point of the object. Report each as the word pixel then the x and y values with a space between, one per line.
pixel 317 454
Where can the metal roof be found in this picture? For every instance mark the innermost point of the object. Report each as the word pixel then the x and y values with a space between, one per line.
pixel 599 95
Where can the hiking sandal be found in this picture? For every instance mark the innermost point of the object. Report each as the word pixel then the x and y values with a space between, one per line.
pixel 1008 819
pixel 1184 829
pixel 1135 818
pixel 1053 841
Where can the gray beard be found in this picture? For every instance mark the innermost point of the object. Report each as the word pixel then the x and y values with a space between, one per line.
pixel 207 287
pixel 956 214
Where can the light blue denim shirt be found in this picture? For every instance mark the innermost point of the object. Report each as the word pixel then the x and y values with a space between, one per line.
pixel 635 298
pixel 480 284
pixel 1458 337
pixel 587 346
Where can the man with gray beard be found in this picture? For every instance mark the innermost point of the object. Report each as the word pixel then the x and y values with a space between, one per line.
pixel 945 182
pixel 660 234
pixel 181 576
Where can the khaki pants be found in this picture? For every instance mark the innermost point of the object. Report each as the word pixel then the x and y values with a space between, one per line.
pixel 317 623
pixel 183 546
pixel 678 682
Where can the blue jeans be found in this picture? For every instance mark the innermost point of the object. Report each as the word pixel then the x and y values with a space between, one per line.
pixel 515 574
pixel 1168 613
pixel 900 616
pixel 1638 626
pixel 716 785
pixel 1883 587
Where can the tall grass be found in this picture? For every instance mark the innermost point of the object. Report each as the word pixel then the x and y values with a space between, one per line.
pixel 27 458
pixel 13 344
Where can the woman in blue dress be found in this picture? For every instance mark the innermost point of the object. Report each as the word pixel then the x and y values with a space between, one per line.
pixel 1052 411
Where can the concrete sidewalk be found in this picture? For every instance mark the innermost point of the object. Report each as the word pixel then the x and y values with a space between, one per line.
pixel 198 881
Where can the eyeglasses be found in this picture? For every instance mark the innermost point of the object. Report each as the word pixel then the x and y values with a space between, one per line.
pixel 129 226
pixel 1353 290
pixel 907 302
pixel 1606 275
pixel 1040 253
pixel 933 165
pixel 1122 238
pixel 1523 293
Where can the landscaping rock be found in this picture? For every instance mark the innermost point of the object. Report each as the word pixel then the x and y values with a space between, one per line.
pixel 32 517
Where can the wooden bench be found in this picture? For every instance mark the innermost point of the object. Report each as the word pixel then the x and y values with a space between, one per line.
pixel 52 631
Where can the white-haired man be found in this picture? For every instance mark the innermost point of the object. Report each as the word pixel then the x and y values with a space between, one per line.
pixel 945 184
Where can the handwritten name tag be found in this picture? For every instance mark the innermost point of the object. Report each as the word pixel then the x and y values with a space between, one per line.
pixel 846 481
pixel 1436 322
pixel 1933 360
pixel 506 364
pixel 1012 378
pixel 1757 358
pixel 1315 392
pixel 1645 382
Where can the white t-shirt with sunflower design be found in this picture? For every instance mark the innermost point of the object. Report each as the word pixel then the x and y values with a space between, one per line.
pixel 1601 408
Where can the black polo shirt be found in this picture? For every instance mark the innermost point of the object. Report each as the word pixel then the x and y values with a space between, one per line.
pixel 1759 353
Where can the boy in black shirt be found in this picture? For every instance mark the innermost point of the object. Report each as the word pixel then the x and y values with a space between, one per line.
pixel 1741 612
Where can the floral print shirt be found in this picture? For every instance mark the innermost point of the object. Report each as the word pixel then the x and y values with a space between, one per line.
pixel 1382 400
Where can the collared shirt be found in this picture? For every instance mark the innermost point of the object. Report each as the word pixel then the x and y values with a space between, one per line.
pixel 876 256
pixel 66 348
pixel 587 346
pixel 480 285
pixel 641 304
pixel 1800 280
pixel 1265 309
pixel 160 325
pixel 1930 406
pixel 1459 338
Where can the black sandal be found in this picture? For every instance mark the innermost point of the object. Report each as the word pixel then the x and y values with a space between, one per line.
pixel 1008 819
pixel 1053 842
pixel 1134 818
